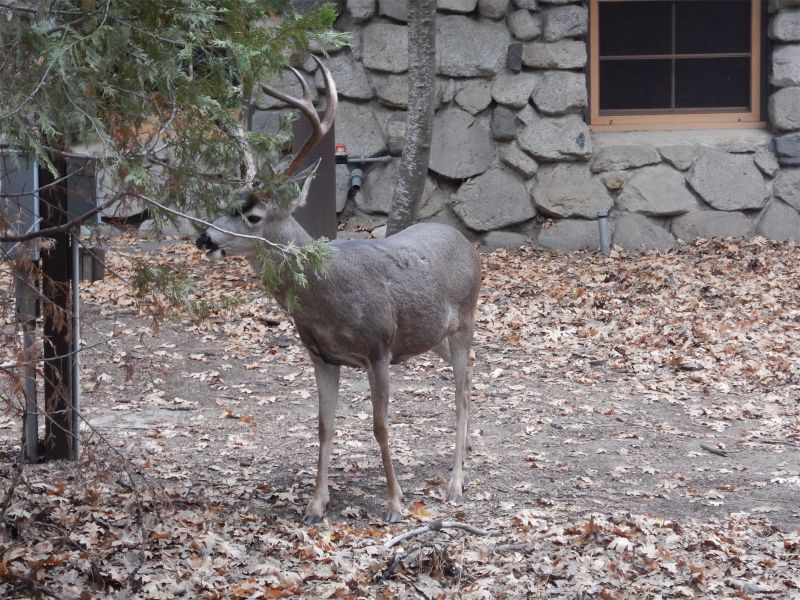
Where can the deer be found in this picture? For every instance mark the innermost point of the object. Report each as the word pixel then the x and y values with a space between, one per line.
pixel 377 303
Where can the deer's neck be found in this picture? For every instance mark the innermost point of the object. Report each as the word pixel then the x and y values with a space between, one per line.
pixel 284 232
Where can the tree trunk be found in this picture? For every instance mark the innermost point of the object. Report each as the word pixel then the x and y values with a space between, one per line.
pixel 419 123
pixel 56 271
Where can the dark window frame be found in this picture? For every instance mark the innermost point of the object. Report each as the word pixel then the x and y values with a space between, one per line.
pixel 679 118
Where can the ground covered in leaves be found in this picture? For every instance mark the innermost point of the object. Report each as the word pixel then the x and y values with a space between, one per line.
pixel 636 434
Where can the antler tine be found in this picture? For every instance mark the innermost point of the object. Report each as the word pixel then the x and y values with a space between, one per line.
pixel 305 106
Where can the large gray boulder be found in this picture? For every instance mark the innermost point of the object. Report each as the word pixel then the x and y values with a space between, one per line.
pixel 779 222
pixel 394 9
pixel 391 89
pixel 787 187
pixel 656 191
pixel 470 48
pixel 637 232
pixel 361 10
pixel 493 200
pixel 560 92
pixel 514 89
pixel 615 158
pixel 349 75
pixel 385 47
pixel 359 130
pixel 786 66
pixel 785 26
pixel 784 109
pixel 570 234
pixel 566 54
pixel 727 181
pixel 461 147
pixel 565 22
pixel 711 223
pixel 557 138
pixel 569 190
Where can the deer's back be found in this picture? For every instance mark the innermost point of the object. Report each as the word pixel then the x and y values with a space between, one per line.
pixel 401 295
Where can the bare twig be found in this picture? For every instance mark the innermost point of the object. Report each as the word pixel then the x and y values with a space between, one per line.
pixel 436 526
pixel 281 247
pixel 713 450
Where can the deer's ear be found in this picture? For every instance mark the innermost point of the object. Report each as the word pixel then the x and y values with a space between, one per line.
pixel 306 177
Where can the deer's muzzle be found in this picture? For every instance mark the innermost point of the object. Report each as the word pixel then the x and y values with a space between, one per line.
pixel 204 242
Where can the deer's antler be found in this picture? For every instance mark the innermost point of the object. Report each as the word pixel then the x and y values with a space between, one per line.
pixel 305 106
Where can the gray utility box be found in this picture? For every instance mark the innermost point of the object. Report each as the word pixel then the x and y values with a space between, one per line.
pixel 20 209
pixel 81 188
pixel 19 201
pixel 318 216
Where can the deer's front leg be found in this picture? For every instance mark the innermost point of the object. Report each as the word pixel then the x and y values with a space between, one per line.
pixel 327 377
pixel 379 388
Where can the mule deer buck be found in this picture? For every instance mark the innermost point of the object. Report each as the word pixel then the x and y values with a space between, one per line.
pixel 378 302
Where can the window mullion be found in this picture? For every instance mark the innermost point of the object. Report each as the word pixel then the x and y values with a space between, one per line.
pixel 674 51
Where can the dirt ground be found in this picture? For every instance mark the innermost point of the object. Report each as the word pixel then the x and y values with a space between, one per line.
pixel 636 432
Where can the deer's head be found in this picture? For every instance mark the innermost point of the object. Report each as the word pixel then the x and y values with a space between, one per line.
pixel 259 215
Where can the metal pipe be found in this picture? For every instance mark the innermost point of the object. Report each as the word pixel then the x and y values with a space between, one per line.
pixel 76 346
pixel 605 233
pixel 26 314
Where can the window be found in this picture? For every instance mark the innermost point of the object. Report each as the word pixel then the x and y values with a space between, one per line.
pixel 665 64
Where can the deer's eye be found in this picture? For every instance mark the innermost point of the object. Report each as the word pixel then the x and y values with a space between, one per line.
pixel 253 219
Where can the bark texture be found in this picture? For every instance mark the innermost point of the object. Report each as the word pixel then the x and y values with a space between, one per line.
pixel 419 124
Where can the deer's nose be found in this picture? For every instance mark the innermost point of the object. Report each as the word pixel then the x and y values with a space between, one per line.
pixel 203 241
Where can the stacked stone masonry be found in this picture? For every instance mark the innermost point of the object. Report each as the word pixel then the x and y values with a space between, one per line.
pixel 512 157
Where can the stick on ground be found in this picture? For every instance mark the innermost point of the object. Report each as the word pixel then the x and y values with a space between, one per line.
pixel 437 525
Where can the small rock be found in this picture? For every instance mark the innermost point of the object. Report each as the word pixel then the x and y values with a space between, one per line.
pixel 505 124
pixel 557 138
pixel 785 26
pixel 518 160
pixel 786 66
pixel 385 47
pixel 493 9
pixel 514 89
pixel 510 240
pixel 361 10
pixel 566 54
pixel 787 187
pixel 766 161
pixel 680 156
pixel 474 96
pixel 565 22
pixel 524 25
pixel 616 158
pixel 656 191
pixel 560 92
pixel 568 190
pixel 711 223
pixel 784 109
pixel 461 147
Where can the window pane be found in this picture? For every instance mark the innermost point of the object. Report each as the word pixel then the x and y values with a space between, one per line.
pixel 635 28
pixel 634 84
pixel 712 83
pixel 712 26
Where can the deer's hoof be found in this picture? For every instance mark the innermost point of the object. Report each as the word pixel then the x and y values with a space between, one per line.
pixel 393 517
pixel 454 498
pixel 309 519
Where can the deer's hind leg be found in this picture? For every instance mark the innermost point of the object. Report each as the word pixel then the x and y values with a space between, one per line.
pixel 378 373
pixel 462 359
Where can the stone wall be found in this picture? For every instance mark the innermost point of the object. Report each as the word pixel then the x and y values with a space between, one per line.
pixel 512 157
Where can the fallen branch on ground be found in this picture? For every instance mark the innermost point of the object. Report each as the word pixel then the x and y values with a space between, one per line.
pixel 713 450
pixel 437 525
